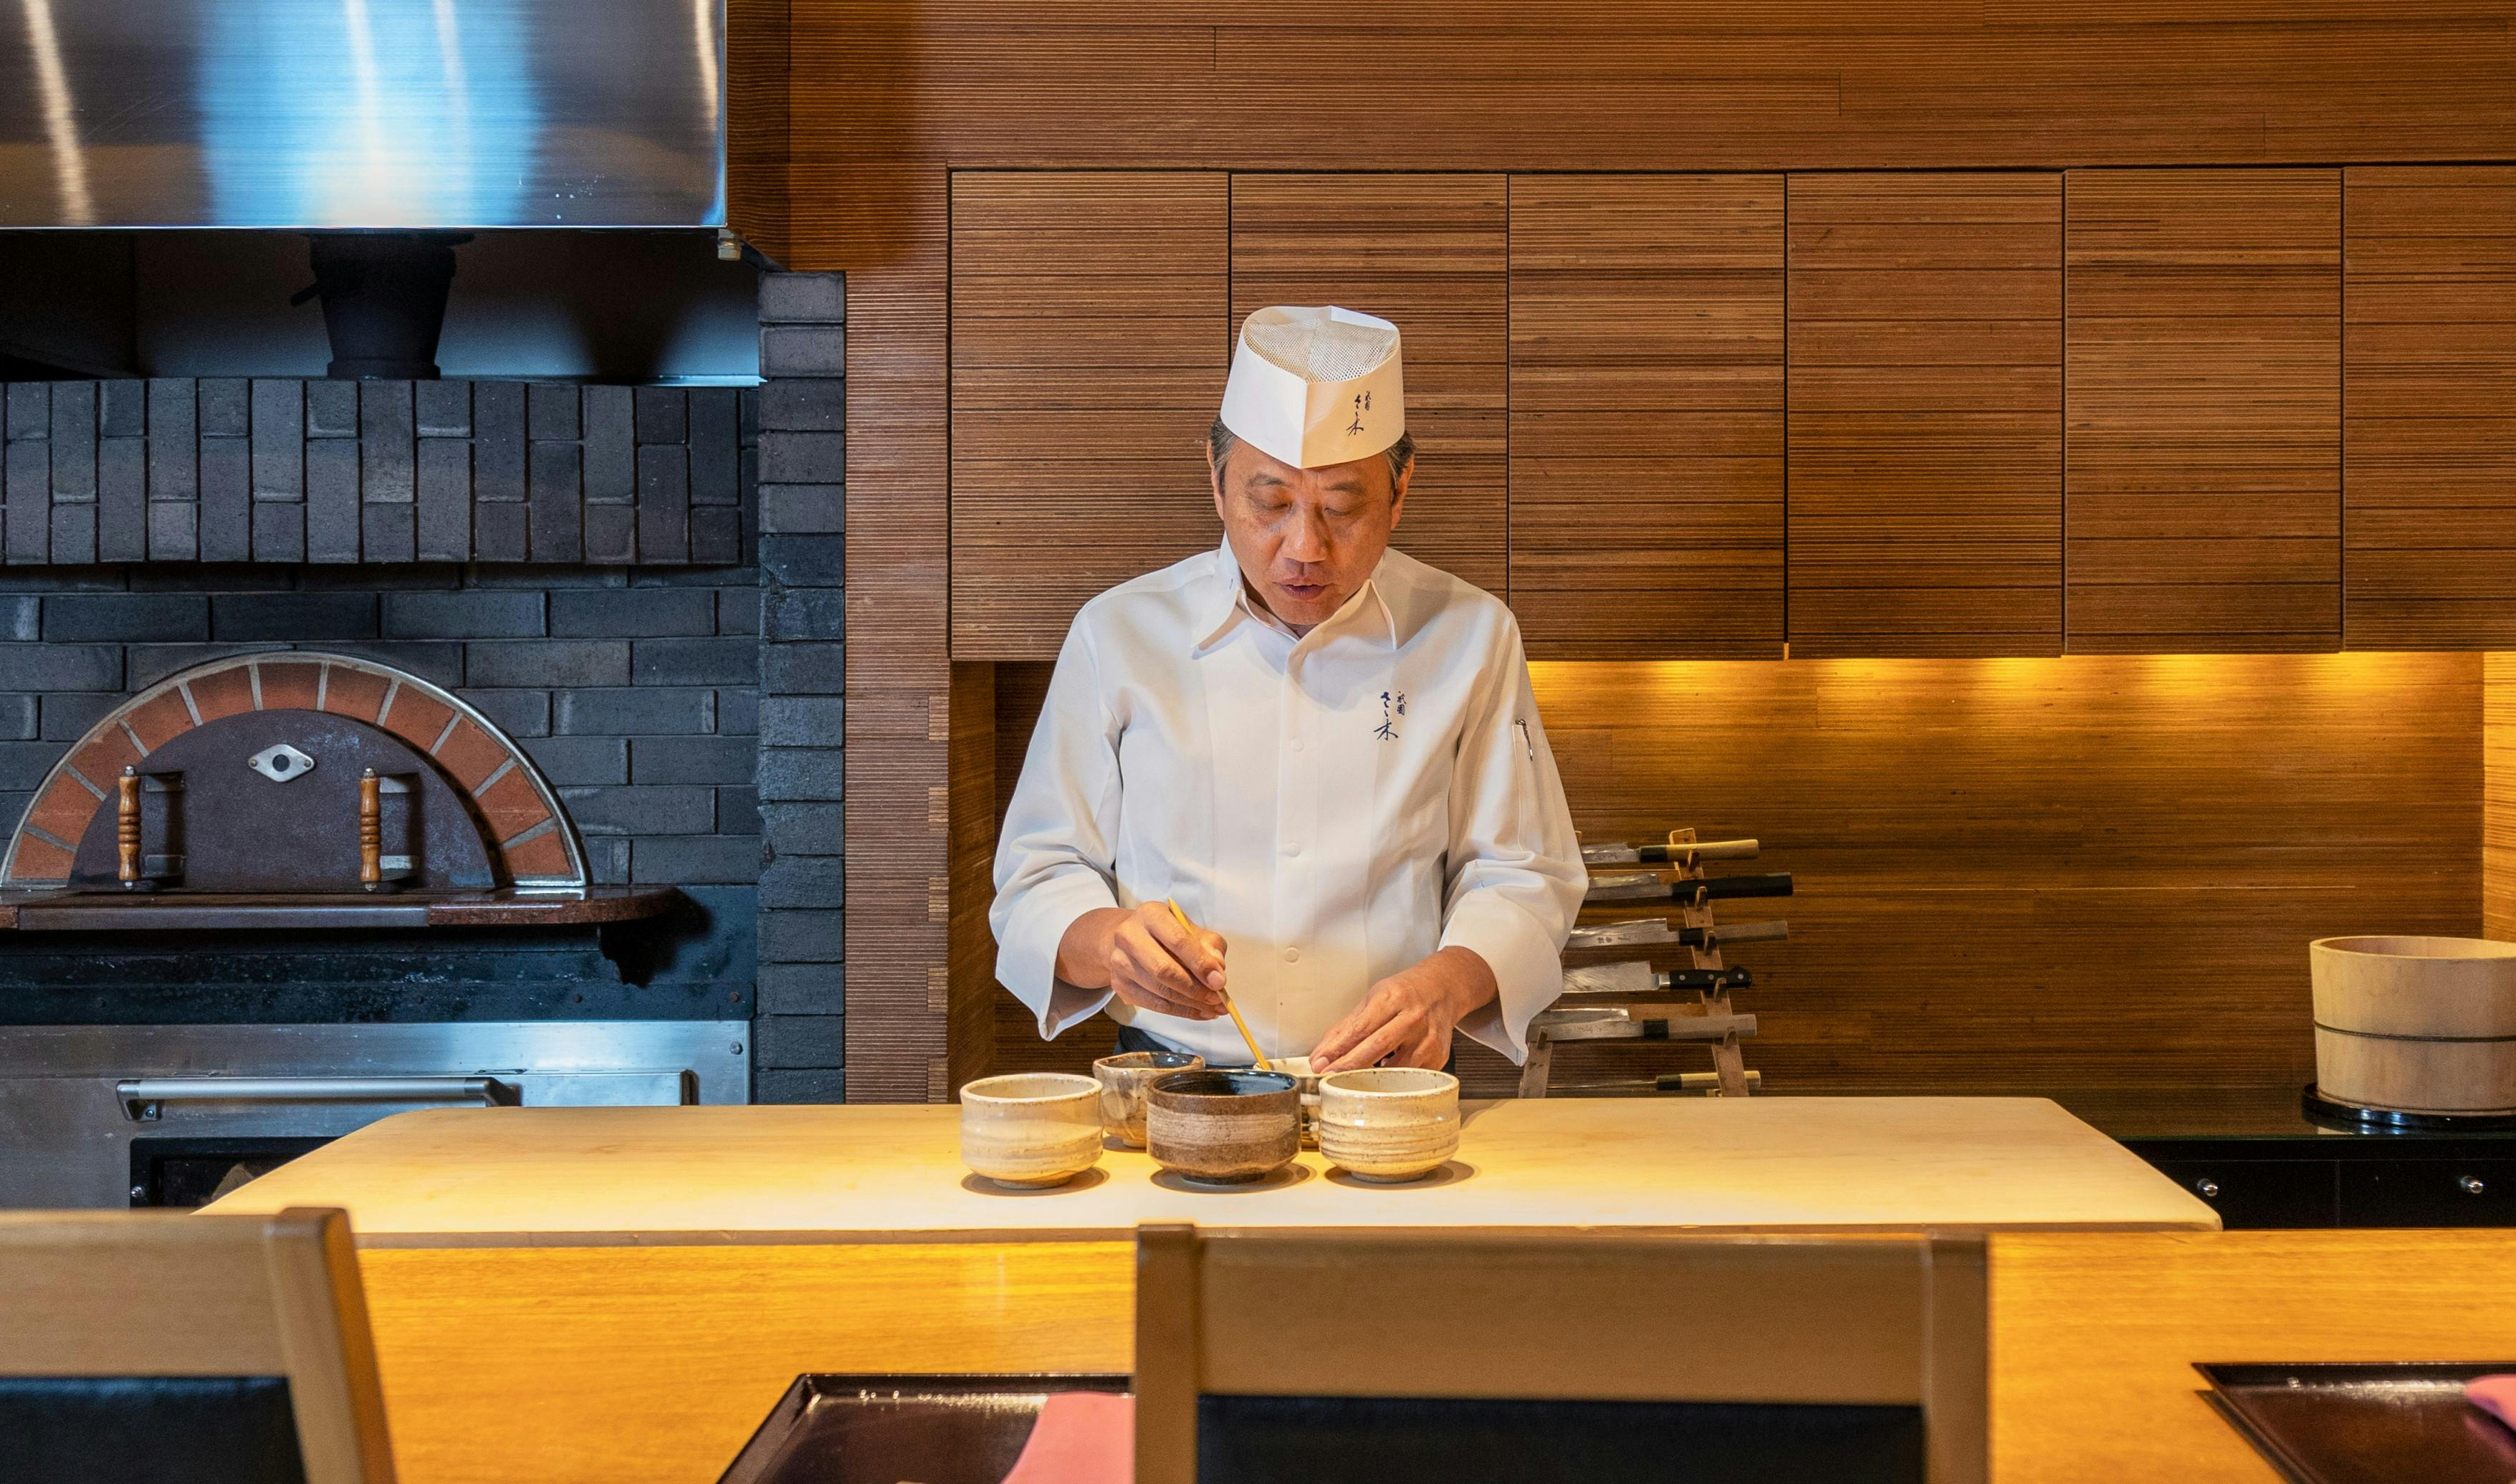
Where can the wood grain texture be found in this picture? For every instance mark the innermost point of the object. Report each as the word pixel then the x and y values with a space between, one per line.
pixel 1427 252
pixel 2430 398
pixel 758 123
pixel 1925 414
pixel 2013 874
pixel 777 1176
pixel 969 979
pixel 888 98
pixel 2094 1337
pixel 2204 410
pixel 1647 414
pixel 2498 796
pixel 674 1355
pixel 1089 343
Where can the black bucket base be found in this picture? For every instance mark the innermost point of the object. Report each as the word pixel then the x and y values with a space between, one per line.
pixel 384 300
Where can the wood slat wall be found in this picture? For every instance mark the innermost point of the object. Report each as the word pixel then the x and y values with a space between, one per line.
pixel 2430 395
pixel 1089 337
pixel 1427 252
pixel 888 98
pixel 1646 492
pixel 1925 414
pixel 2015 874
pixel 2204 410
pixel 2498 798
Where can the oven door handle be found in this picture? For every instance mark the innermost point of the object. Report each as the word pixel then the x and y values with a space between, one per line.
pixel 144 1097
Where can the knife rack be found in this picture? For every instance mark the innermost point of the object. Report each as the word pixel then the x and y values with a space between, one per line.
pixel 1710 1019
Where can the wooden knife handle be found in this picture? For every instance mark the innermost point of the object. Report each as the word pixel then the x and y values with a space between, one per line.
pixel 126 825
pixel 371 831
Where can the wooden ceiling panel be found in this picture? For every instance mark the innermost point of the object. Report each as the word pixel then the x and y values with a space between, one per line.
pixel 1646 415
pixel 1926 414
pixel 2429 478
pixel 1088 320
pixel 2204 387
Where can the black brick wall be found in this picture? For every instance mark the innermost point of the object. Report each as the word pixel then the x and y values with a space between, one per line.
pixel 671 657
pixel 802 757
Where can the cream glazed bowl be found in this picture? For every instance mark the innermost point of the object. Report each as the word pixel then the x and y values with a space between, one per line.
pixel 1032 1129
pixel 1388 1123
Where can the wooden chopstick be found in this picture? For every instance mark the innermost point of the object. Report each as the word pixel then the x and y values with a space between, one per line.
pixel 1257 1057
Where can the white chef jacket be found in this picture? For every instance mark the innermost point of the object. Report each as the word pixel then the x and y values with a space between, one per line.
pixel 1337 806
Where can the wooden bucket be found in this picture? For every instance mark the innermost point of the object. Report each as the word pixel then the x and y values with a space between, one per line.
pixel 2415 1025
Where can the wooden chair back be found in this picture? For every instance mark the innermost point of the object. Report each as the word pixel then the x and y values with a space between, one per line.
pixel 150 1293
pixel 1560 1316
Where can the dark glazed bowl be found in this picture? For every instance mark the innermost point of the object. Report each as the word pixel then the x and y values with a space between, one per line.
pixel 1222 1127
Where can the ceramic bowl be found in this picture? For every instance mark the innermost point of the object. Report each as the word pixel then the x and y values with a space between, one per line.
pixel 1388 1123
pixel 1307 1083
pixel 1033 1128
pixel 1122 1089
pixel 1222 1127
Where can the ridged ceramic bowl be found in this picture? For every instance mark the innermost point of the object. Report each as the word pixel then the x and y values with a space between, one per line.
pixel 1122 1089
pixel 1388 1123
pixel 1222 1127
pixel 1306 1084
pixel 1032 1129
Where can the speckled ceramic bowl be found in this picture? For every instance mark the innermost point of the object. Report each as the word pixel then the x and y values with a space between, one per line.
pixel 1122 1089
pixel 1222 1127
pixel 1306 1084
pixel 1388 1123
pixel 1033 1128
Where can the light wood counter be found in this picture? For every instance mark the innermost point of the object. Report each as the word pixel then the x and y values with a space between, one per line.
pixel 788 1175
pixel 651 1365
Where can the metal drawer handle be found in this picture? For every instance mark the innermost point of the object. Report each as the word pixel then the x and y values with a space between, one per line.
pixel 2206 1188
pixel 2471 1185
pixel 142 1099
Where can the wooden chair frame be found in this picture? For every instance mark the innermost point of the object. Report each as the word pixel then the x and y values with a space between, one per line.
pixel 170 1293
pixel 1899 1320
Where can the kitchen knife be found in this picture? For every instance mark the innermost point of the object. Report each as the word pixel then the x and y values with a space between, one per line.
pixel 1618 853
pixel 1651 930
pixel 1637 978
pixel 1647 886
pixel 1666 1081
pixel 1671 1028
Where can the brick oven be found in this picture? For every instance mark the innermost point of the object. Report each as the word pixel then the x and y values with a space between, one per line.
pixel 596 626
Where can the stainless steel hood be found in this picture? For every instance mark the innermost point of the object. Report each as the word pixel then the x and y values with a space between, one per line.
pixel 314 115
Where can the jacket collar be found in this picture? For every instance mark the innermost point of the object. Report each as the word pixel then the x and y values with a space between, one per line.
pixel 1224 603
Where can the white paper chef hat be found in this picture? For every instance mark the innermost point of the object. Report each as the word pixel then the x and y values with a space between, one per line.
pixel 1316 385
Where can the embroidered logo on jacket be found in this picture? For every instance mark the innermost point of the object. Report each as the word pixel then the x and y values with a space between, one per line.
pixel 1391 706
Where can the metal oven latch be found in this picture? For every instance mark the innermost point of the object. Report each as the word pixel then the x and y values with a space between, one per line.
pixel 281 763
pixel 143 1099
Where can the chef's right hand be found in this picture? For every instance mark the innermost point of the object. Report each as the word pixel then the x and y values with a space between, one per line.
pixel 1149 960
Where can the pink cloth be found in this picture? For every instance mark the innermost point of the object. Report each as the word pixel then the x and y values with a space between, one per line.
pixel 1081 1437
pixel 2493 1394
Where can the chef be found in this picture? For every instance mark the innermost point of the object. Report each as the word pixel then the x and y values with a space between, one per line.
pixel 1324 751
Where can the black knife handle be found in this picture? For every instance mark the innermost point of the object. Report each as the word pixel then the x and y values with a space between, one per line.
pixel 1706 979
pixel 1723 888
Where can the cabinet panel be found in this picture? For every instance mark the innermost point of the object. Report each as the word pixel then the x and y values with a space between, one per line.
pixel 1926 414
pixel 1089 317
pixel 1427 252
pixel 2258 1194
pixel 1646 415
pixel 2204 329
pixel 2429 1193
pixel 2429 477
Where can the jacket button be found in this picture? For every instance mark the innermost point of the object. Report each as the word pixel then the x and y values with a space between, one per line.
pixel 1292 955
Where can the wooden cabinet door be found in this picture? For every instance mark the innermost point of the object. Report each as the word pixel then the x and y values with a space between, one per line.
pixel 1090 334
pixel 1926 414
pixel 1427 253
pixel 2429 391
pixel 1646 415
pixel 2202 502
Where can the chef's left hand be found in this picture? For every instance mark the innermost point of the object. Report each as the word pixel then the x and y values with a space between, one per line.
pixel 1406 1020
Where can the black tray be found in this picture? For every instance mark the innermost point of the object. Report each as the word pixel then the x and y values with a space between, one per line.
pixel 2367 1423
pixel 881 1429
